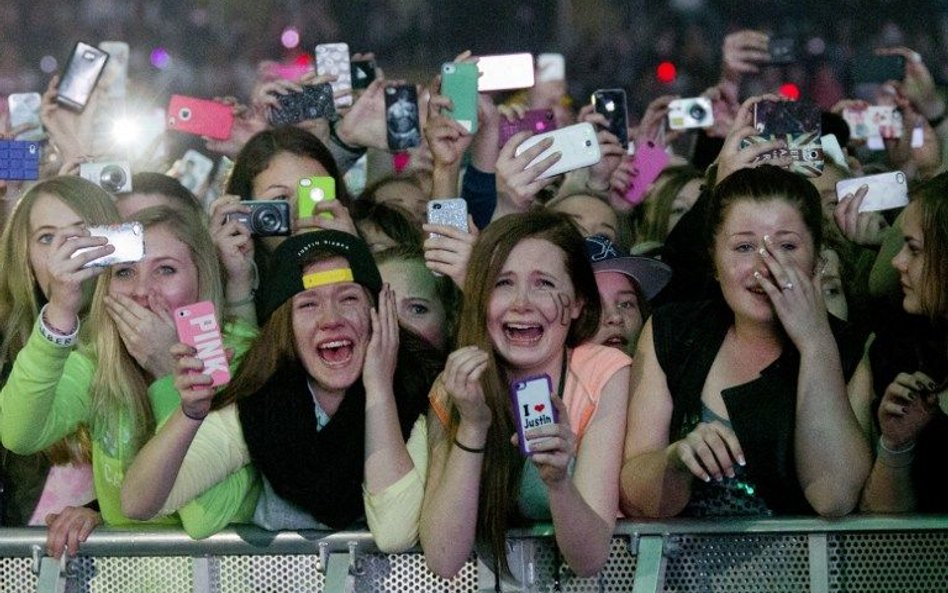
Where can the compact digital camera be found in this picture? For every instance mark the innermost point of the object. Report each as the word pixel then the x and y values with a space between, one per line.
pixel 112 176
pixel 684 114
pixel 267 218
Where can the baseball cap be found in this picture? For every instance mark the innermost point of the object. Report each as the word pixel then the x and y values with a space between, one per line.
pixel 649 274
pixel 286 279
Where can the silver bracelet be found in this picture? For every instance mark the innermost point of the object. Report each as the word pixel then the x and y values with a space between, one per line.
pixel 895 457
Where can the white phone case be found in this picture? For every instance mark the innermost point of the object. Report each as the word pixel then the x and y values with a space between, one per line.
pixel 577 143
pixel 333 58
pixel 886 191
pixel 503 72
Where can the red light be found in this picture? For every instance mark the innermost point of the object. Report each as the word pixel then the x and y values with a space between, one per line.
pixel 303 59
pixel 666 72
pixel 790 91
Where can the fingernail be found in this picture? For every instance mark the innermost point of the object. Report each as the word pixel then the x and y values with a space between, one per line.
pixel 719 478
pixel 768 240
pixel 706 478
pixel 757 275
pixel 730 473
pixel 741 461
pixel 762 251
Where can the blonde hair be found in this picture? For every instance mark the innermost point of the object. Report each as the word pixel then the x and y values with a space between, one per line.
pixel 21 298
pixel 119 390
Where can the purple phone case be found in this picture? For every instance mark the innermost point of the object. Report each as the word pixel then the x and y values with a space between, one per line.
pixel 535 409
pixel 537 121
pixel 650 161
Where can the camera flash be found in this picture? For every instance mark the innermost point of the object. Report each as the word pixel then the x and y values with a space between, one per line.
pixel 126 131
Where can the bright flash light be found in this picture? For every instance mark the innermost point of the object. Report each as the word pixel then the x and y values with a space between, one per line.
pixel 126 131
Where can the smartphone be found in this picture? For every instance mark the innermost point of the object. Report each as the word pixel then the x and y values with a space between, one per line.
pixel 115 76
pixel 200 117
pixel 19 160
pixel 782 50
pixel 449 212
pixel 311 190
pixel 577 143
pixel 333 59
pixel 459 83
pixel 80 76
pixel 362 73
pixel 128 238
pixel 694 112
pixel 776 118
pixel 536 121
pixel 403 127
pixel 314 102
pixel 532 406
pixel 612 104
pixel 798 124
pixel 649 160
pixel 832 151
pixel 198 327
pixel 504 72
pixel 884 121
pixel 194 170
pixel 25 109
pixel 873 69
pixel 886 190
pixel 551 67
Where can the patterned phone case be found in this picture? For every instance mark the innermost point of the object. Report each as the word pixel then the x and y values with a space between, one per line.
pixel 315 102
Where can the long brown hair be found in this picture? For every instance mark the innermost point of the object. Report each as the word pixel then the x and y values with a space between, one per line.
pixel 500 473
pixel 931 199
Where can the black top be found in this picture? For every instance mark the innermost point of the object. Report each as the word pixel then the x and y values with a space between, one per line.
pixel 688 337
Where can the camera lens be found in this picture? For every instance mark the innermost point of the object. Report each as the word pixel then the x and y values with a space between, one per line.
pixel 436 206
pixel 184 113
pixel 697 112
pixel 589 143
pixel 266 220
pixel 112 178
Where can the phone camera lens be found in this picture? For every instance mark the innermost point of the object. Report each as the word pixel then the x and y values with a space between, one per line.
pixel 436 206
pixel 589 143
pixel 184 113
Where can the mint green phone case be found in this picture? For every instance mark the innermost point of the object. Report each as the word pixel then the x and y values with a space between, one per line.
pixel 459 83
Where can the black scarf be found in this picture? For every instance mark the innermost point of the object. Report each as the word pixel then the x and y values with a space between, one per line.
pixel 318 470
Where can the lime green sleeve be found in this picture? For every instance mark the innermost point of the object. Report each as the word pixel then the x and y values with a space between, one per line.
pixel 46 396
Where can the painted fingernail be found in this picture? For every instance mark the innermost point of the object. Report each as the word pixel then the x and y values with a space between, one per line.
pixel 741 461
pixel 762 251
pixel 706 478
pixel 757 275
pixel 730 473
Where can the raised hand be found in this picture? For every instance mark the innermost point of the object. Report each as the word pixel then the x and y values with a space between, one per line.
pixel 862 228
pixel 516 182
pixel 448 251
pixel 733 156
pixel 908 405
pixel 461 379
pixel 192 383
pixel 382 354
pixel 147 332
pixel 553 446
pixel 67 274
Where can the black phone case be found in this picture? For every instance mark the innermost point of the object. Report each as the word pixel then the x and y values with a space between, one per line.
pixel 401 117
pixel 774 118
pixel 618 118
pixel 878 69
pixel 363 73
pixel 315 102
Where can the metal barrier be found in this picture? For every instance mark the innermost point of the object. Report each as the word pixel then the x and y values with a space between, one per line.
pixel 871 553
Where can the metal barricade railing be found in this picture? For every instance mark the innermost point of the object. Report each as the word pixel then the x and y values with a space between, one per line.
pixel 862 553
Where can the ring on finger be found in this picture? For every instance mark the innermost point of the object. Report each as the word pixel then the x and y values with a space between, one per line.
pixel 787 286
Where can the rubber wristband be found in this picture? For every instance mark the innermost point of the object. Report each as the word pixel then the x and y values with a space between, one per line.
pixel 466 448
pixel 195 418
pixel 55 335
pixel 338 141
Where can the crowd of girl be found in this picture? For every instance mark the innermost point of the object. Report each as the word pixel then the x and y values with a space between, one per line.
pixel 372 354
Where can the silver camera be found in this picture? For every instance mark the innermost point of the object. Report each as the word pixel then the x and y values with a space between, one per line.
pixel 266 218
pixel 684 114
pixel 112 176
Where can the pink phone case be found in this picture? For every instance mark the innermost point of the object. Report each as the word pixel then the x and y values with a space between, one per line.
pixel 649 161
pixel 200 117
pixel 197 327
pixel 537 121
pixel 532 406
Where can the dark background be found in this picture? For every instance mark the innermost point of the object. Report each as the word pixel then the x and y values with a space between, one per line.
pixel 215 46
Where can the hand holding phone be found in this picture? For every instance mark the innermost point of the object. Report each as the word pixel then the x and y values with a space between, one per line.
pixel 577 144
pixel 197 327
pixel 886 191
pixel 612 104
pixel 312 190
pixel 532 407
pixel 450 212
pixel 332 59
pixel 200 117
pixel 459 83
pixel 80 76
pixel 535 121
pixel 128 239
